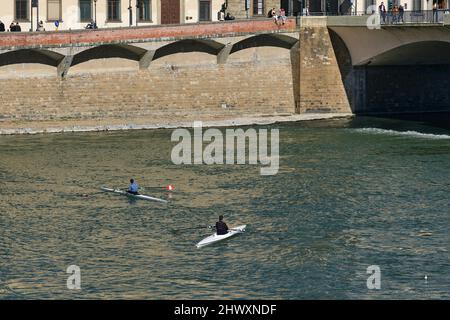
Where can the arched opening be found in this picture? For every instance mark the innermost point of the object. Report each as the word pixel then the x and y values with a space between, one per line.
pixel 39 56
pixel 190 45
pixel 263 40
pixel 109 51
pixel 410 78
pixel 418 53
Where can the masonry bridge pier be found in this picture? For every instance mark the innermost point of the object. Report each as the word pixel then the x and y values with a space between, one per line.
pixel 220 70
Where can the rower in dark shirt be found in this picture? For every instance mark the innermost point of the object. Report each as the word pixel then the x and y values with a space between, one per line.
pixel 221 227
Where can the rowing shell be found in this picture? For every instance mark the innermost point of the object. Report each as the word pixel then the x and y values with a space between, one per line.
pixel 214 238
pixel 135 196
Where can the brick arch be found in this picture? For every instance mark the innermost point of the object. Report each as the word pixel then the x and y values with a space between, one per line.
pixel 189 45
pixel 265 40
pixel 109 51
pixel 40 56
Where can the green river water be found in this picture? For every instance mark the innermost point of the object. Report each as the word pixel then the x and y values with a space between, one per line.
pixel 349 194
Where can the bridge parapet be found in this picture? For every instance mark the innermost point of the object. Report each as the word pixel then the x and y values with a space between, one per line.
pixel 28 40
pixel 410 18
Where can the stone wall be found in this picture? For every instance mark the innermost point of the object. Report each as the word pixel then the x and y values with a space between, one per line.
pixel 321 85
pixel 178 86
pixel 264 80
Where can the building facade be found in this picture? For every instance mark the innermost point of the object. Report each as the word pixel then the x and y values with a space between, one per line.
pixel 76 14
pixel 362 6
pixel 260 8
pixel 251 8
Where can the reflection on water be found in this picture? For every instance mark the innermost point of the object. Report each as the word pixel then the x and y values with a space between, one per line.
pixel 349 194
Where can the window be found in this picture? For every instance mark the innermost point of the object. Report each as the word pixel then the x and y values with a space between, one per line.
pixel 21 10
pixel 145 10
pixel 258 7
pixel 85 10
pixel 417 5
pixel 53 10
pixel 371 6
pixel 205 10
pixel 113 10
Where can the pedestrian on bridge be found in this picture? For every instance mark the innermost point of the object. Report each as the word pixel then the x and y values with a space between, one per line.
pixel 382 10
pixel 401 12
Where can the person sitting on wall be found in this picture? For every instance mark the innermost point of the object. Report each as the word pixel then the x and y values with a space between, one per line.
pixel 229 17
pixel 15 27
pixel 91 25
pixel 40 26
pixel 221 15
pixel 282 17
pixel 2 26
pixel 272 14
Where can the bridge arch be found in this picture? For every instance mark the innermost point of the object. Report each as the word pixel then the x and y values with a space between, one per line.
pixel 364 44
pixel 410 54
pixel 265 40
pixel 40 56
pixel 109 51
pixel 189 45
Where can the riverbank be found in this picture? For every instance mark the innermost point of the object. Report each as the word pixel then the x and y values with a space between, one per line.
pixel 41 127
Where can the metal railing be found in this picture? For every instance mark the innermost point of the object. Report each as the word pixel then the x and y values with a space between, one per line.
pixel 414 17
pixel 391 17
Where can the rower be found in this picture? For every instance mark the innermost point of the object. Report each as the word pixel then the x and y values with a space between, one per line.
pixel 133 188
pixel 221 227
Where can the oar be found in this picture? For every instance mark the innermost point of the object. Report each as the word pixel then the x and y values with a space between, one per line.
pixel 191 228
pixel 169 187
pixel 85 195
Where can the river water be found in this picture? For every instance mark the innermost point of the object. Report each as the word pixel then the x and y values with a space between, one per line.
pixel 349 194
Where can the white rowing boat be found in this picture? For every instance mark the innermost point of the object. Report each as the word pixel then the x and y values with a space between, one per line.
pixel 134 196
pixel 214 238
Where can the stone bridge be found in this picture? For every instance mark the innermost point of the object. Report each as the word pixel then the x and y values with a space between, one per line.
pixel 397 68
pixel 144 45
pixel 219 70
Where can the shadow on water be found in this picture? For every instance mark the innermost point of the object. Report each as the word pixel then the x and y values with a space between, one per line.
pixel 429 122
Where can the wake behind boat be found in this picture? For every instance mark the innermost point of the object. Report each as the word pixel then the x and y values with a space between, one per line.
pixel 135 196
pixel 215 238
